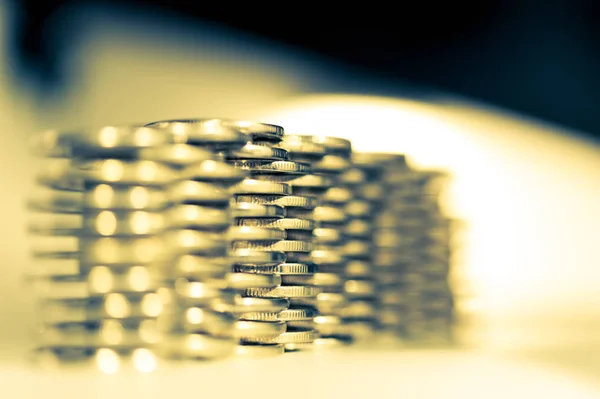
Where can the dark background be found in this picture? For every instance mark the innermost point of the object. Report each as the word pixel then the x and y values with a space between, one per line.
pixel 539 58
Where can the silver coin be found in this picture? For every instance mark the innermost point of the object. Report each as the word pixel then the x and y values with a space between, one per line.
pixel 195 320
pixel 288 337
pixel 253 186
pixel 251 257
pixel 212 133
pixel 195 192
pixel 250 210
pixel 194 242
pixel 337 195
pixel 242 305
pixel 334 164
pixel 254 151
pixel 329 214
pixel 289 291
pixel 246 329
pixel 260 166
pixel 68 176
pixel 285 223
pixel 289 269
pixel 316 279
pixel 298 145
pixel 194 267
pixel 109 306
pixel 316 183
pixel 101 142
pixel 178 155
pixel 293 201
pixel 213 170
pixel 252 280
pixel 46 200
pixel 188 216
pixel 251 233
pixel 278 246
pixel 108 333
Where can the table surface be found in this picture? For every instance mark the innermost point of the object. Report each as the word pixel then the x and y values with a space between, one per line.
pixel 360 372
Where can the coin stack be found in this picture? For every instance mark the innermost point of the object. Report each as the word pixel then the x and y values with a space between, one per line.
pixel 430 317
pixel 100 218
pixel 329 238
pixel 411 259
pixel 391 238
pixel 195 290
pixel 275 225
pixel 366 180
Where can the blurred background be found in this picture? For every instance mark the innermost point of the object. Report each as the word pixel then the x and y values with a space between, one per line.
pixel 502 94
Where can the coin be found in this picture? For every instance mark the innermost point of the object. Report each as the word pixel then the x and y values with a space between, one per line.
pixel 68 176
pixel 196 320
pixel 337 195
pixel 99 142
pixel 329 214
pixel 316 279
pixel 293 201
pixel 251 257
pixel 250 304
pixel 279 246
pixel 195 241
pixel 197 217
pixel 288 337
pixel 300 147
pixel 178 155
pixel 254 151
pixel 252 280
pixel 195 192
pixel 212 170
pixel 211 133
pixel 289 291
pixel 285 223
pixel 251 233
pixel 110 306
pixel 253 186
pixel 46 200
pixel 257 131
pixel 260 166
pixel 113 333
pixel 246 329
pixel 286 269
pixel 247 210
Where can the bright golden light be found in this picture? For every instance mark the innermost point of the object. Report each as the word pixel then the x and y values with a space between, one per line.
pixel 112 170
pixel 151 305
pixel 106 223
pixel 117 306
pixel 108 361
pixel 144 360
pixel 108 137
pixel 101 279
pixel 103 195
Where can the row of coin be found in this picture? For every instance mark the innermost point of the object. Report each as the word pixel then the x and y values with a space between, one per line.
pixel 203 238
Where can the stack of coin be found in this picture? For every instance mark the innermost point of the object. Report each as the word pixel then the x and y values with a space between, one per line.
pixel 365 179
pixel 195 289
pixel 309 188
pixel 393 252
pixel 271 245
pixel 411 255
pixel 100 218
pixel 429 315
pixel 329 236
